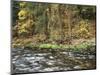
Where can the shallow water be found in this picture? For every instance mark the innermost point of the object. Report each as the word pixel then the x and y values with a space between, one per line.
pixel 24 61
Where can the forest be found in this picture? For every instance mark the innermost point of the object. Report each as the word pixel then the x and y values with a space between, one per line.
pixel 53 27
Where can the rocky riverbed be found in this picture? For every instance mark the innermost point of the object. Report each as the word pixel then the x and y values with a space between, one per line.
pixel 27 60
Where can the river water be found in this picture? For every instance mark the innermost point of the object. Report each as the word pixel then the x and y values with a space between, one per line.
pixel 26 60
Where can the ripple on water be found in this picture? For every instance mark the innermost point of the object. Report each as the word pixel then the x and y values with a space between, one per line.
pixel 28 61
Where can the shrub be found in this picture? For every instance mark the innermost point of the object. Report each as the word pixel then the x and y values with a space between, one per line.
pixel 82 29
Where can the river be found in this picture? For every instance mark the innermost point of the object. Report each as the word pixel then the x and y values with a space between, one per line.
pixel 26 60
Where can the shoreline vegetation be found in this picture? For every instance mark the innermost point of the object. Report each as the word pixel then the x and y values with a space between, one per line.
pixel 83 45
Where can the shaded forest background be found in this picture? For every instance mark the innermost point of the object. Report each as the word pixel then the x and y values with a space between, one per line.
pixel 52 23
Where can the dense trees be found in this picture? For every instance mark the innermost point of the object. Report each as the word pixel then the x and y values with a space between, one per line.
pixel 53 22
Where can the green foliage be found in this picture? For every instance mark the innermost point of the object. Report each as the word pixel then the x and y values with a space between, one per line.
pixel 15 8
pixel 49 46
pixel 61 46
pixel 82 29
pixel 87 12
pixel 22 4
pixel 54 24
pixel 22 31
pixel 25 20
pixel 22 14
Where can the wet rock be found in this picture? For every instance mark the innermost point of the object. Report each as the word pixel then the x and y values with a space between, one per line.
pixel 77 67
pixel 78 57
pixel 43 54
pixel 66 53
pixel 50 62
pixel 65 68
pixel 30 58
pixel 21 66
pixel 51 57
pixel 28 55
pixel 39 58
pixel 91 56
pixel 71 54
pixel 22 69
pixel 83 57
pixel 50 69
pixel 18 62
pixel 13 62
pixel 35 64
pixel 15 57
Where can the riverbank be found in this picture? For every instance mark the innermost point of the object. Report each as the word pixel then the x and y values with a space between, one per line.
pixel 28 56
pixel 77 44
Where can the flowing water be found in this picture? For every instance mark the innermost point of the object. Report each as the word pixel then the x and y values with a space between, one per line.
pixel 25 60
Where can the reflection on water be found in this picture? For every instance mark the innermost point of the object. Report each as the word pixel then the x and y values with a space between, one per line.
pixel 24 61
